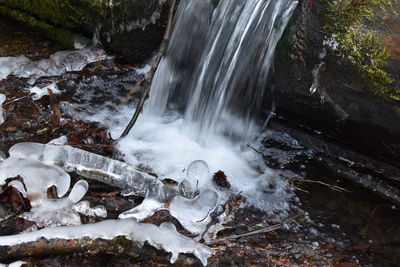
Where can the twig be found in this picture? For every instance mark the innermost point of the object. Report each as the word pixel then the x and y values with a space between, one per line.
pixel 256 150
pixel 333 187
pixel 55 107
pixel 208 213
pixel 14 100
pixel 86 145
pixel 154 67
pixel 260 231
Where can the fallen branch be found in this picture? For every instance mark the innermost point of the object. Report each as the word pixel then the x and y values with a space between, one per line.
pixel 149 79
pixel 109 236
pixel 119 246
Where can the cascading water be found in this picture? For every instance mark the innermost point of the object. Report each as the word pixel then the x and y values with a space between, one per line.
pixel 209 86
pixel 217 64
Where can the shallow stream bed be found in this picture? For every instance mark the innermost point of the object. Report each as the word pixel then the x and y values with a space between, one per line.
pixel 355 227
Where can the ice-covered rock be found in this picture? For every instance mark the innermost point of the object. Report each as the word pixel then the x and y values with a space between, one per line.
pixel 38 92
pixel 165 236
pixel 57 64
pixel 2 115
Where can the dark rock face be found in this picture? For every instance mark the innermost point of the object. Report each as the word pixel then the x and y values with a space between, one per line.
pixel 343 106
pixel 131 29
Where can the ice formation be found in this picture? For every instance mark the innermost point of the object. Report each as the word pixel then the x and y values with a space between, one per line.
pixel 2 115
pixel 193 214
pixel 165 236
pixel 198 174
pixel 38 92
pixel 37 178
pixel 57 64
pixel 13 264
pixel 64 211
pixel 44 165
pixel 58 157
pixel 316 75
pixel 147 208
pixel 2 156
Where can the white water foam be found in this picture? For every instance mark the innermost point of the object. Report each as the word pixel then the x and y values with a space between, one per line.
pixel 163 146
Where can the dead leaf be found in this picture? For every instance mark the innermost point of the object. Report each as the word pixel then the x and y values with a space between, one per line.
pixel 221 179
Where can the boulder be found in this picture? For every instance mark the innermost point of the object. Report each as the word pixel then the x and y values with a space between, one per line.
pixel 132 29
pixel 332 86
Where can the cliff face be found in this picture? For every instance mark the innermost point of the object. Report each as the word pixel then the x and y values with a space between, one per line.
pixel 338 72
pixel 130 28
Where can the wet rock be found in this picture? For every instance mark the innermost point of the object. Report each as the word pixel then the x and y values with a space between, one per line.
pixel 345 105
pixel 130 28
pixel 12 201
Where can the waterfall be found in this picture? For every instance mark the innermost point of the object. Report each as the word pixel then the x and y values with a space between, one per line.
pixel 216 66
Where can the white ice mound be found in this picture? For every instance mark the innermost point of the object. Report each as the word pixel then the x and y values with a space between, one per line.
pixel 57 64
pixel 2 115
pixel 165 236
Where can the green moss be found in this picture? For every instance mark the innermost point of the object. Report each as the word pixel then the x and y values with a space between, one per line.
pixel 123 241
pixel 67 13
pixel 65 37
pixel 358 46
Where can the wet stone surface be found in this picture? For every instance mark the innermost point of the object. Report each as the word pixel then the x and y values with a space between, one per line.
pixel 16 39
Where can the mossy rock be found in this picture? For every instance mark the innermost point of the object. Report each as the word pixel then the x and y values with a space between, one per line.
pixel 115 26
pixel 356 97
